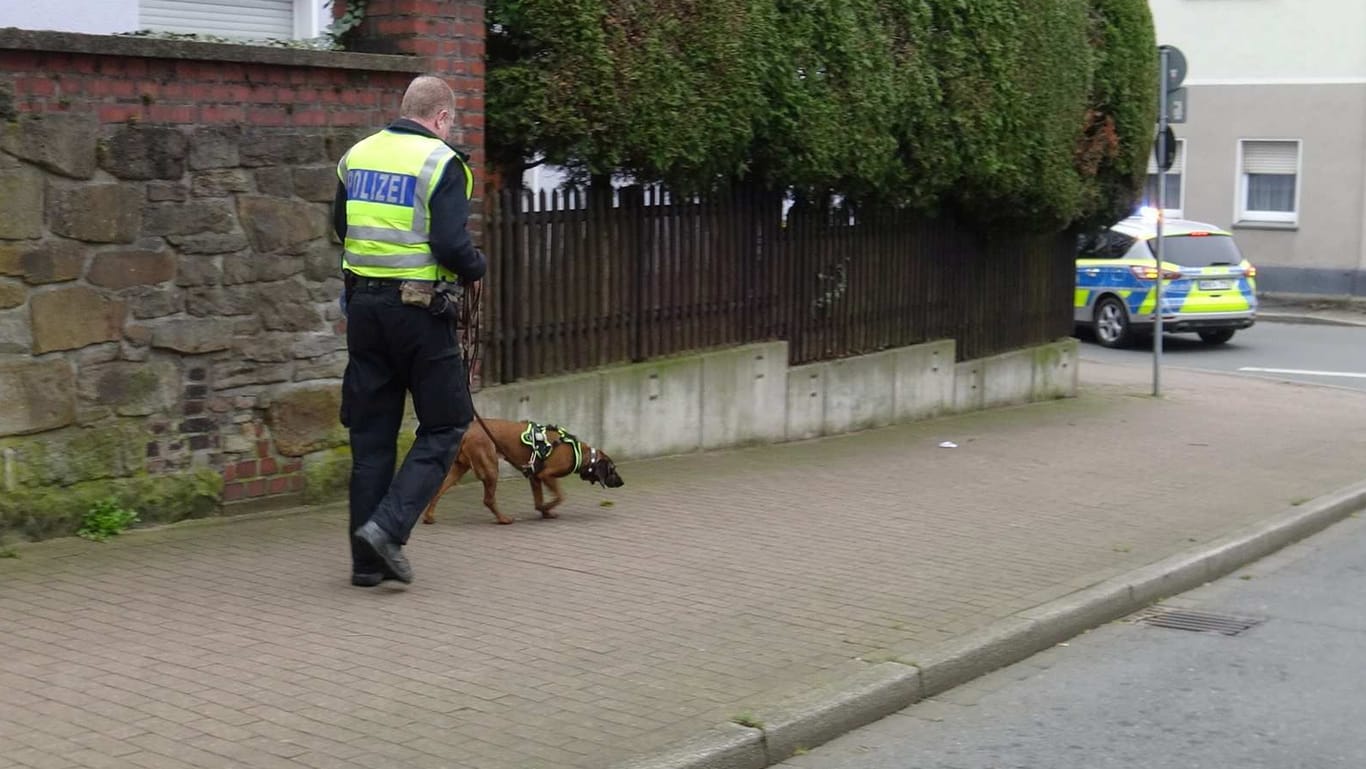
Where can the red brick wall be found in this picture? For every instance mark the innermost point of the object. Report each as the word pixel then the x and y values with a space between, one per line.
pixel 266 475
pixel 444 37
pixel 449 36
pixel 169 91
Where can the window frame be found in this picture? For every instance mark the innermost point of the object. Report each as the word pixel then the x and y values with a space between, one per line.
pixel 308 19
pixel 1181 153
pixel 1250 216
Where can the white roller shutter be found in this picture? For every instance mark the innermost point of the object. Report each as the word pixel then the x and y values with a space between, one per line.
pixel 254 19
pixel 1178 165
pixel 1271 158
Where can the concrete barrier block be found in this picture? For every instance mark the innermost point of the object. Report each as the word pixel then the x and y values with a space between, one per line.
pixel 744 395
pixel 860 393
pixel 924 380
pixel 1055 370
pixel 749 395
pixel 969 385
pixel 500 402
pixel 573 402
pixel 805 401
pixel 1008 379
pixel 653 409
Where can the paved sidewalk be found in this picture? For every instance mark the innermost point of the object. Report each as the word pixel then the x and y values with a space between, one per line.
pixel 1307 308
pixel 712 585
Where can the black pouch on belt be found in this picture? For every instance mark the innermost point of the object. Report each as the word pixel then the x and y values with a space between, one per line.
pixel 444 305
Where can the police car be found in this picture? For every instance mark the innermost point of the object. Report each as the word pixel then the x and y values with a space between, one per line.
pixel 1208 287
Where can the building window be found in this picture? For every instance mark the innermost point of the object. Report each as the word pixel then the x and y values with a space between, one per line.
pixel 246 19
pixel 1176 178
pixel 1269 181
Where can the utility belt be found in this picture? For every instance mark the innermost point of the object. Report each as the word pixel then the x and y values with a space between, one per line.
pixel 437 298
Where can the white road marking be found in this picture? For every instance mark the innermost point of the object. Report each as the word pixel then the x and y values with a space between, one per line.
pixel 1303 372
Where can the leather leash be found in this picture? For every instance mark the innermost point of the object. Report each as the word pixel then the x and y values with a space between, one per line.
pixel 470 350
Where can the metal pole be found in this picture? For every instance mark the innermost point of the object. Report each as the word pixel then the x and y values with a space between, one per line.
pixel 1161 216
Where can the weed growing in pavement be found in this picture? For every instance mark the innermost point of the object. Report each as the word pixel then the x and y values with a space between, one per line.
pixel 104 519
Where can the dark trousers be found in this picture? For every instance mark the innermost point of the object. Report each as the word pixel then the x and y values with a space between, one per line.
pixel 395 349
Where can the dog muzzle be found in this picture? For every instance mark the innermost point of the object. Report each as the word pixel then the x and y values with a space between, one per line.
pixel 599 469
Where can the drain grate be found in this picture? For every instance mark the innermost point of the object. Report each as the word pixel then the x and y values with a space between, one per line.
pixel 1196 621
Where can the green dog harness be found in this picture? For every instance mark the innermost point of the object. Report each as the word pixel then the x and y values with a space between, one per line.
pixel 542 446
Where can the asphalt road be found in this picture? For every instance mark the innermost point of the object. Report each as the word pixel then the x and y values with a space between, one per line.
pixel 1289 693
pixel 1330 355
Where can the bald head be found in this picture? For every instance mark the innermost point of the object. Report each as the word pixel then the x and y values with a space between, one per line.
pixel 426 97
pixel 430 103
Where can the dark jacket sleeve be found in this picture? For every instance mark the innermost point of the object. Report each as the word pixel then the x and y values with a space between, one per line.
pixel 339 212
pixel 450 235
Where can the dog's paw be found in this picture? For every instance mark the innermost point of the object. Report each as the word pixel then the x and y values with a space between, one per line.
pixel 549 514
pixel 506 521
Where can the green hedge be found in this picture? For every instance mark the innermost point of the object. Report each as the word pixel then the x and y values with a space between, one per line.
pixel 1023 112
pixel 662 89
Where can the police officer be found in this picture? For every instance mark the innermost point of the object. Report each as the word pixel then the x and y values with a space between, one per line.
pixel 401 210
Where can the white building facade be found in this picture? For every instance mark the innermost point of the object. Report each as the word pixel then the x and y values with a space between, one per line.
pixel 1275 143
pixel 245 19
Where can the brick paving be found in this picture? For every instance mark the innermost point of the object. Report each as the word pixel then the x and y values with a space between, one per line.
pixel 712 584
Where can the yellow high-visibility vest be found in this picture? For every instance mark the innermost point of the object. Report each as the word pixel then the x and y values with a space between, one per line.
pixel 389 178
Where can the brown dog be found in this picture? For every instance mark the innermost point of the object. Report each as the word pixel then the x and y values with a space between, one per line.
pixel 559 455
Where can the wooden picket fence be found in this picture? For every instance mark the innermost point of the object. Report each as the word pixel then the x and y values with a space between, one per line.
pixel 577 283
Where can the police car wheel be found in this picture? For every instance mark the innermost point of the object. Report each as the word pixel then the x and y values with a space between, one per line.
pixel 1112 323
pixel 1216 335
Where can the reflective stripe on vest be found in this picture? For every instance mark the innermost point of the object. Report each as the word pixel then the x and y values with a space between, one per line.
pixel 389 178
pixel 353 259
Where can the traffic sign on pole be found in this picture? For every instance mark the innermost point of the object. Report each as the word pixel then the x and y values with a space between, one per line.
pixel 1171 108
pixel 1176 105
pixel 1165 159
pixel 1173 67
pixel 1170 78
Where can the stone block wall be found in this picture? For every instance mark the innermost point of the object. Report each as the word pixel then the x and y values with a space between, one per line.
pixel 169 329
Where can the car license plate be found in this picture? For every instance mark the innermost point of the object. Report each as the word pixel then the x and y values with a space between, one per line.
pixel 1216 285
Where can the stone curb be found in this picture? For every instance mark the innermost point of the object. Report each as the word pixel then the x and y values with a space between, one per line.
pixel 873 691
pixel 1309 320
pixel 727 746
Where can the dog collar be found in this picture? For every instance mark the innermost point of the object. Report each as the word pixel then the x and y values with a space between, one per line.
pixel 587 473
